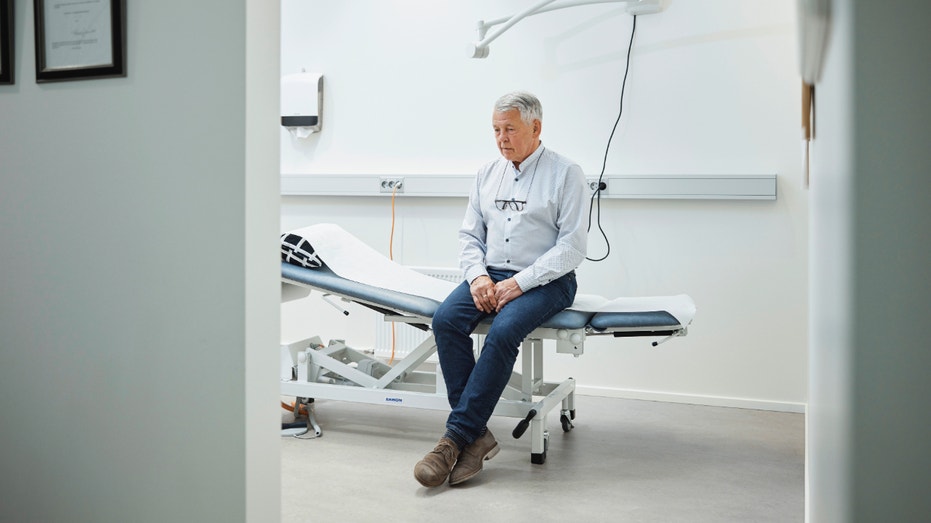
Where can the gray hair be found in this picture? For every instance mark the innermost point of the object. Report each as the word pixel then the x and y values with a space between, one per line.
pixel 528 105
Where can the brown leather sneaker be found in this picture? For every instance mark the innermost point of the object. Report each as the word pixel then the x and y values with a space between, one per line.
pixel 470 462
pixel 434 468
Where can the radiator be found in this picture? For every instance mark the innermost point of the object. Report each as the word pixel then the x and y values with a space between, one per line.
pixel 407 338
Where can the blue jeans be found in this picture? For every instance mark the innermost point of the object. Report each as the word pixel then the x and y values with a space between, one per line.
pixel 474 387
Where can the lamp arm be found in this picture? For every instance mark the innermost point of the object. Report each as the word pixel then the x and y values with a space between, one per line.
pixel 480 49
pixel 484 26
pixel 508 22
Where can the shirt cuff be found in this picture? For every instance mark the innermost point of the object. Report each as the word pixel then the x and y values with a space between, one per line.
pixel 525 281
pixel 474 272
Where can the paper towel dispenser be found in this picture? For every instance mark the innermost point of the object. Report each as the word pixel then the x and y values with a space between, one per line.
pixel 301 103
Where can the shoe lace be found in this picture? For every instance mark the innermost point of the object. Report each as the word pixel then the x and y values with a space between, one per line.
pixel 447 450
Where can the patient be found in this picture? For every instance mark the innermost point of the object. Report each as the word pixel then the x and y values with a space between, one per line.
pixel 522 237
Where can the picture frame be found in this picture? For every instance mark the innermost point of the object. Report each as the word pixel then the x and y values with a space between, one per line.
pixel 6 43
pixel 80 40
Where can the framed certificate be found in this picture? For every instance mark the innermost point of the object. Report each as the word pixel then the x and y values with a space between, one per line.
pixel 80 39
pixel 6 42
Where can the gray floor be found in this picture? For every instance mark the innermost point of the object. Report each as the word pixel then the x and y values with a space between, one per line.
pixel 626 460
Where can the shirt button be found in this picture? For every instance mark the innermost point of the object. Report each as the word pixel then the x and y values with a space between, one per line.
pixel 508 261
pixel 515 179
pixel 509 219
pixel 507 240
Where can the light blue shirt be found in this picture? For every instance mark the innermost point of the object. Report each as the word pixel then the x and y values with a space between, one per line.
pixel 544 240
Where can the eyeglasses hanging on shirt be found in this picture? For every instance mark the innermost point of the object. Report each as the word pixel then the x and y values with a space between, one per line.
pixel 515 204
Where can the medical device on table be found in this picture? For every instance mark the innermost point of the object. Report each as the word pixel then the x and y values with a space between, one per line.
pixel 328 259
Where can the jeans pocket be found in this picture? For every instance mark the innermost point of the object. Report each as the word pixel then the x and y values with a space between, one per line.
pixel 569 286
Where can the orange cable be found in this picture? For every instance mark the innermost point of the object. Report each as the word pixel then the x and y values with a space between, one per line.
pixel 301 411
pixel 391 257
pixel 391 236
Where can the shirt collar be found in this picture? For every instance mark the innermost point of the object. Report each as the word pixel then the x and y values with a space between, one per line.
pixel 534 156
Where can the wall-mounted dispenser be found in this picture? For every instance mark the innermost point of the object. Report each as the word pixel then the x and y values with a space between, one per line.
pixel 301 103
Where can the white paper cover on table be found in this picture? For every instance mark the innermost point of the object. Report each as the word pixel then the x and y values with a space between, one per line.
pixel 680 306
pixel 348 257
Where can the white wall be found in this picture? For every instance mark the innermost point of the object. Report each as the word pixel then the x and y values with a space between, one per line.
pixel 713 88
pixel 868 440
pixel 131 368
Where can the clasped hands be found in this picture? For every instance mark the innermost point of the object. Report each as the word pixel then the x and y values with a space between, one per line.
pixel 492 297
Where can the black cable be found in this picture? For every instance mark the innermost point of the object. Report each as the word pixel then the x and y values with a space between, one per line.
pixel 601 185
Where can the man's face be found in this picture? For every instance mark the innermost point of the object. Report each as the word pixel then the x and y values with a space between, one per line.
pixel 516 139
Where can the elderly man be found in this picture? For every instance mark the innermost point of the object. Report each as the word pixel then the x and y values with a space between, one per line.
pixel 522 238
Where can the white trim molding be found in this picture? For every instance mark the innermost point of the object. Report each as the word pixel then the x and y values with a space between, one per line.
pixel 662 187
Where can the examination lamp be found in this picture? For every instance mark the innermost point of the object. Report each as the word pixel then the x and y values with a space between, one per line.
pixel 480 49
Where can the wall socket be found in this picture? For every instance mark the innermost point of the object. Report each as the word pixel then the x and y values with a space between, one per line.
pixel 593 184
pixel 391 185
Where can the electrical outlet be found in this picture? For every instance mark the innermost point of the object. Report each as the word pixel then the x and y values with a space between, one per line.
pixel 391 185
pixel 593 184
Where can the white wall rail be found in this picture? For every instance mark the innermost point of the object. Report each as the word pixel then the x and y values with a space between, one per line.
pixel 659 187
